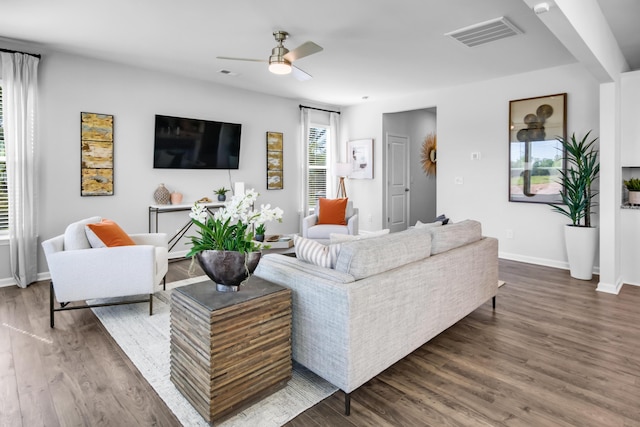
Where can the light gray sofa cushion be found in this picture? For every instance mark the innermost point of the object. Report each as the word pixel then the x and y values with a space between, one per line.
pixel 454 235
pixel 368 257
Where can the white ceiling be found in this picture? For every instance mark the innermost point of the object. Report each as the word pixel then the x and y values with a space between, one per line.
pixel 372 48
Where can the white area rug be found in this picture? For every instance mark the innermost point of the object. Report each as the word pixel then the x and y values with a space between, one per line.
pixel 145 340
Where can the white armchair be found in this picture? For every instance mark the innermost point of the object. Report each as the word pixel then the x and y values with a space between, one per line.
pixel 312 230
pixel 80 272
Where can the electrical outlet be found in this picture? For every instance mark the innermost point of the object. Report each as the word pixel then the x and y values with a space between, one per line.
pixel 475 155
pixel 458 180
pixel 509 234
pixel 370 218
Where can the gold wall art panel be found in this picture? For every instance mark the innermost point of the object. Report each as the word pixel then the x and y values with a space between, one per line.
pixel 97 182
pixel 275 163
pixel 96 141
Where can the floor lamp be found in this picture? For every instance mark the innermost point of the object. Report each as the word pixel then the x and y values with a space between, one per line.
pixel 342 170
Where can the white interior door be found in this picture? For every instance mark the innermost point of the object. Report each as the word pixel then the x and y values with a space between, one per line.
pixel 397 182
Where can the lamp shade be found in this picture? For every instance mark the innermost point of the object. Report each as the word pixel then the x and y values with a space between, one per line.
pixel 342 169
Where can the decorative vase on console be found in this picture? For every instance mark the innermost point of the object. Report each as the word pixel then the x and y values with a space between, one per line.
pixel 176 198
pixel 162 195
pixel 225 248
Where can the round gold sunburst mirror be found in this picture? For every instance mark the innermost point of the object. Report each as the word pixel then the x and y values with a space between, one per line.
pixel 428 157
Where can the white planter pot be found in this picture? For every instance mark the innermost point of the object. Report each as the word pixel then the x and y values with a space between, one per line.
pixel 581 244
pixel 634 197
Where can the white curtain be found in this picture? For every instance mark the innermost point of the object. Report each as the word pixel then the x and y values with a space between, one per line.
pixel 304 154
pixel 20 102
pixel 334 150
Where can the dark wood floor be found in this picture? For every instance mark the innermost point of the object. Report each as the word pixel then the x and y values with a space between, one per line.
pixel 554 353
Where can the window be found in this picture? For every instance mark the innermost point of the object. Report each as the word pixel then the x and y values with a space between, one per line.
pixel 319 138
pixel 4 195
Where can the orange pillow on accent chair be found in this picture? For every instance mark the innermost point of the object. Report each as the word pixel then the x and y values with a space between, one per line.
pixel 107 233
pixel 332 211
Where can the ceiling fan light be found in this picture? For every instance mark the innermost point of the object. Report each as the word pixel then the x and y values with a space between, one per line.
pixel 279 68
pixel 277 64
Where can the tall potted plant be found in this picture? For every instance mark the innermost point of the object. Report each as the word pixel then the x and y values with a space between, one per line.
pixel 582 169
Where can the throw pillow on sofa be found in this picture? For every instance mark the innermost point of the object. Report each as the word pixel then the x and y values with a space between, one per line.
pixel 107 234
pixel 316 253
pixel 443 219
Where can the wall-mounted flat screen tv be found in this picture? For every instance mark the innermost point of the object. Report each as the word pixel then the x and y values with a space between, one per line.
pixel 195 144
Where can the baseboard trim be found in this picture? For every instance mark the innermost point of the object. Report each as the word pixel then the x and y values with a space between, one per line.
pixel 7 282
pixel 610 288
pixel 10 281
pixel 563 265
pixel 534 260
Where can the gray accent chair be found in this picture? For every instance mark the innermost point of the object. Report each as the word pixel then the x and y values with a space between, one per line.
pixel 321 232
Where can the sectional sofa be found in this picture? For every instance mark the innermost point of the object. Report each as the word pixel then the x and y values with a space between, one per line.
pixel 385 297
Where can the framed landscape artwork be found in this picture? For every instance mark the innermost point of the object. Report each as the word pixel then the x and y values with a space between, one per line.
pixel 274 161
pixel 360 155
pixel 536 157
pixel 96 139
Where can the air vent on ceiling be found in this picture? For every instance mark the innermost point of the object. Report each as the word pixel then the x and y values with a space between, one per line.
pixel 485 32
pixel 227 72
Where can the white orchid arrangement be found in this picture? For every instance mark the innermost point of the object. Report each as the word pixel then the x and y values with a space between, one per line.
pixel 231 228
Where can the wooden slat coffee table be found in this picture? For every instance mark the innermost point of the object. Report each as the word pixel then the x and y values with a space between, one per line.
pixel 229 349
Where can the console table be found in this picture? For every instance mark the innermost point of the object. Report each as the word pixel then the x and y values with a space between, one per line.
pixel 156 210
pixel 230 349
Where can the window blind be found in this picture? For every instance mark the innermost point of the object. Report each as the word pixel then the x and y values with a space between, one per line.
pixel 317 167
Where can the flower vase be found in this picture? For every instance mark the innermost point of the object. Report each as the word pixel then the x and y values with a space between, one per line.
pixel 259 238
pixel 162 195
pixel 228 269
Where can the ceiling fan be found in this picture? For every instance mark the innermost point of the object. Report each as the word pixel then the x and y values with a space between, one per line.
pixel 281 59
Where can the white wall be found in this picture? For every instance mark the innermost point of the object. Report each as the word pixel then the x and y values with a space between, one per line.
pixel 70 85
pixel 474 118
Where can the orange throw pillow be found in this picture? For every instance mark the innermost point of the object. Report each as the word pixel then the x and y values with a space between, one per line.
pixel 332 211
pixel 109 233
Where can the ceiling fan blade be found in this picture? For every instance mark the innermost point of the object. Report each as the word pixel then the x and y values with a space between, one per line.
pixel 298 74
pixel 305 49
pixel 241 59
